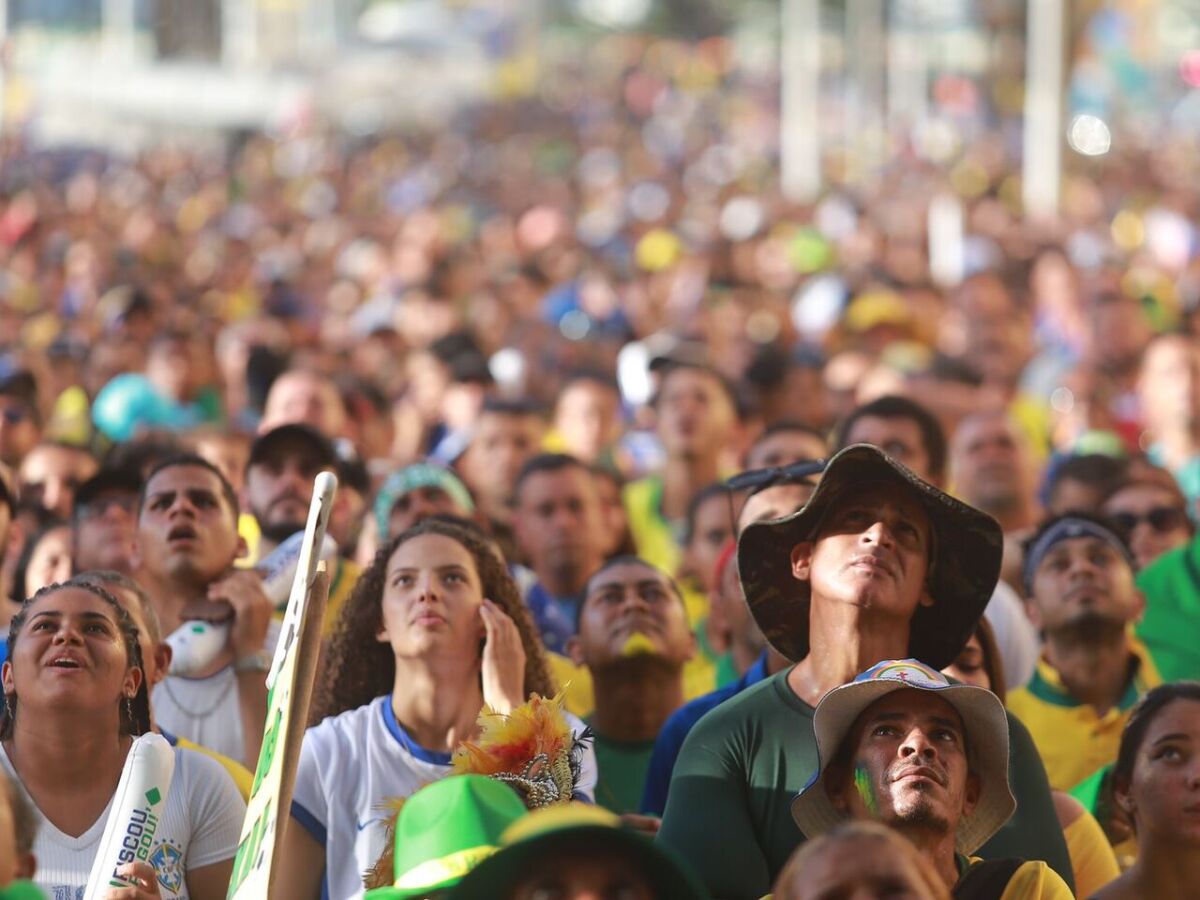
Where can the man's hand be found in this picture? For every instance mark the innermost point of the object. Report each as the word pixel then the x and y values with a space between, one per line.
pixel 252 610
pixel 647 825
pixel 503 660
pixel 145 881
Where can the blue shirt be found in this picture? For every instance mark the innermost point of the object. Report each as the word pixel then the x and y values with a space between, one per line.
pixel 675 730
pixel 557 618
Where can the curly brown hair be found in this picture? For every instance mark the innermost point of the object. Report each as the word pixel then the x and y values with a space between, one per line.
pixel 358 668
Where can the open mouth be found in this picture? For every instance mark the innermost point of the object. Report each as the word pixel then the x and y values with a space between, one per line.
pixel 64 662
pixel 182 533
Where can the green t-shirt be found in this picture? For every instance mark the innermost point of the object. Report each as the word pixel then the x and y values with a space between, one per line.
pixel 1168 628
pixel 729 808
pixel 622 769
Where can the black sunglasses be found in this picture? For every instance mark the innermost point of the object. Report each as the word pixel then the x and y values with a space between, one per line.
pixel 1161 518
pixel 757 480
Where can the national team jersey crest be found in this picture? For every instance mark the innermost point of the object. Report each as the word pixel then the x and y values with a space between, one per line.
pixel 167 860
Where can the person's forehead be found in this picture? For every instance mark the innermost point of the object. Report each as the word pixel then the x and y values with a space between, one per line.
pixel 779 500
pixel 430 550
pixel 685 378
pixel 854 861
pixel 280 453
pixel 569 479
pixel 1179 716
pixel 982 428
pixel 71 600
pixel 507 422
pixel 1083 544
pixel 625 574
pixel 883 427
pixel 801 445
pixel 882 494
pixel 917 703
pixel 1136 496
pixel 186 477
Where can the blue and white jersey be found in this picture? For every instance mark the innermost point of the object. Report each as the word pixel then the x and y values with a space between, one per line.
pixel 200 826
pixel 349 766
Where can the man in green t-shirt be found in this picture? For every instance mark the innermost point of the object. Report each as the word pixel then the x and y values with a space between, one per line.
pixel 879 565
pixel 634 638
pixel 902 745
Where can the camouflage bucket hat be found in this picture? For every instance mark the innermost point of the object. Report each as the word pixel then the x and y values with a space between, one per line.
pixel 967 549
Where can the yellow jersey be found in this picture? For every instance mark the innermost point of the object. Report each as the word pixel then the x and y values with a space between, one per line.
pixel 1072 738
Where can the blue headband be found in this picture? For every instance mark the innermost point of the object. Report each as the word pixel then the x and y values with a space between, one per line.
pixel 1066 529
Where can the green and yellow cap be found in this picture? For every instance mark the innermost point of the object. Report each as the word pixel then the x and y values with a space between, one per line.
pixel 547 833
pixel 446 829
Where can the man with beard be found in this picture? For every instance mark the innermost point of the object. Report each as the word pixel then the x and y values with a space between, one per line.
pixel 634 639
pixel 903 746
pixel 557 524
pixel 1080 593
pixel 279 485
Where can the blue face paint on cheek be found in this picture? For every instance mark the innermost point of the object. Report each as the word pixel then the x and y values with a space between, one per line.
pixel 866 790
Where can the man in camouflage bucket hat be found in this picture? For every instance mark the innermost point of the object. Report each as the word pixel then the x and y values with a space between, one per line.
pixel 878 565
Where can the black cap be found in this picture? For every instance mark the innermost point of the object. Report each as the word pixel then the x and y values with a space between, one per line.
pixel 20 385
pixel 115 480
pixel 292 435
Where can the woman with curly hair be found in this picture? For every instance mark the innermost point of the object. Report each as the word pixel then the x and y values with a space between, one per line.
pixel 434 630
pixel 75 696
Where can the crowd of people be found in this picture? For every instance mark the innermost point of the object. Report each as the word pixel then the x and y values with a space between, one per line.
pixel 847 576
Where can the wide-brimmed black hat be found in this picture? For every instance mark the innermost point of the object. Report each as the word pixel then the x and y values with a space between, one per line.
pixel 967 548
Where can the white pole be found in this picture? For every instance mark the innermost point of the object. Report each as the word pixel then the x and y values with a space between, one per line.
pixel 118 27
pixel 1042 170
pixel 865 26
pixel 239 33
pixel 800 96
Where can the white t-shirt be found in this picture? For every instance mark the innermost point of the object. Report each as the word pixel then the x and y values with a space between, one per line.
pixel 1016 638
pixel 203 710
pixel 200 826
pixel 349 765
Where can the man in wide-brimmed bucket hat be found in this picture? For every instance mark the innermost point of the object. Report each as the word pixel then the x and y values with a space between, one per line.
pixel 962 549
pixel 904 746
pixel 878 565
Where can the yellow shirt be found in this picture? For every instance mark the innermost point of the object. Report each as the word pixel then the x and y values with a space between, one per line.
pixel 654 536
pixel 1092 858
pixel 240 774
pixel 699 677
pixel 1035 880
pixel 1073 740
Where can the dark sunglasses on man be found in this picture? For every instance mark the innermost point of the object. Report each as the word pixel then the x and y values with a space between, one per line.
pixel 1161 518
pixel 755 480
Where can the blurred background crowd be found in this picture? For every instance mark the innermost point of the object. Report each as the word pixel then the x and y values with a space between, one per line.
pixel 472 233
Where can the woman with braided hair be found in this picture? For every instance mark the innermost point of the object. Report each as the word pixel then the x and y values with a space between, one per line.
pixel 434 630
pixel 75 697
